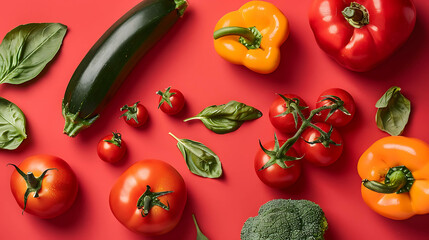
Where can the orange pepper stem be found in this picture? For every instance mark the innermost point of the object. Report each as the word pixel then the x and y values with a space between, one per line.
pixel 356 14
pixel 398 180
pixel 249 37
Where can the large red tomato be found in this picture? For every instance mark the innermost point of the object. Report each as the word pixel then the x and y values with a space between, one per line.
pixel 51 184
pixel 149 197
pixel 317 153
pixel 276 176
pixel 283 121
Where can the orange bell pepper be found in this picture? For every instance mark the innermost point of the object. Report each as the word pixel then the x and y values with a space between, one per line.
pixel 402 163
pixel 252 36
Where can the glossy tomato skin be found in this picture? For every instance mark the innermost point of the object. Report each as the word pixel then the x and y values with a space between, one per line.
pixel 338 118
pixel 275 176
pixel 160 176
pixel 177 102
pixel 316 153
pixel 141 114
pixel 59 187
pixel 109 152
pixel 286 123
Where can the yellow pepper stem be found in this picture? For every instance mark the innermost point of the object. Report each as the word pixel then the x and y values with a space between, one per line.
pixel 249 37
pixel 398 180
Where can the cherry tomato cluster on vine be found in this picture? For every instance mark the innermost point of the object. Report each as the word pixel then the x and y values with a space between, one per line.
pixel 316 141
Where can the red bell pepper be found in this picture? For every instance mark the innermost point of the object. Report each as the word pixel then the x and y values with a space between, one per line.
pixel 361 34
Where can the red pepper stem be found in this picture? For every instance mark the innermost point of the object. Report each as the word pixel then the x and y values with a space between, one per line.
pixel 398 180
pixel 356 14
pixel 249 37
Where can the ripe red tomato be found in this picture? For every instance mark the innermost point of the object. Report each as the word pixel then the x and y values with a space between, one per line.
pixel 52 183
pixel 317 153
pixel 135 115
pixel 276 176
pixel 111 148
pixel 171 101
pixel 286 123
pixel 338 118
pixel 149 197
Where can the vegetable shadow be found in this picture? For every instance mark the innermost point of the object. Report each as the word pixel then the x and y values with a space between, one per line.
pixel 416 225
pixel 404 58
pixel 69 221
pixel 290 52
pixel 346 159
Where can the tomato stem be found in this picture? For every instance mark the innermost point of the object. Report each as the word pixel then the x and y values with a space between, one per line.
pixel 165 97
pixel 34 184
pixel 116 139
pixel 150 199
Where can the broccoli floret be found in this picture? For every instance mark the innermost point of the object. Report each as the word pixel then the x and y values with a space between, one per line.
pixel 282 219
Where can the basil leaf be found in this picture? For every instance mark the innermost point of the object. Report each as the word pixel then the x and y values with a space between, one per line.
pixel 221 125
pixel 12 125
pixel 226 118
pixel 393 112
pixel 26 50
pixel 200 159
pixel 200 235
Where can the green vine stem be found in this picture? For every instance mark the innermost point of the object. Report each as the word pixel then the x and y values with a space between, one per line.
pixel 338 104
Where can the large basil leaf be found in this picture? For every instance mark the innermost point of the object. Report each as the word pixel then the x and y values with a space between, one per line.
pixel 12 125
pixel 26 50
pixel 393 112
pixel 200 159
pixel 228 117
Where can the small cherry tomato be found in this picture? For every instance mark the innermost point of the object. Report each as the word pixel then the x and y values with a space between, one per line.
pixel 44 186
pixel 275 176
pixel 281 116
pixel 338 118
pixel 111 148
pixel 171 101
pixel 149 197
pixel 135 115
pixel 319 150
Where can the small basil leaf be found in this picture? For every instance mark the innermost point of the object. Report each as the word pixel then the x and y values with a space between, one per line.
pixel 393 112
pixel 25 51
pixel 200 235
pixel 200 159
pixel 12 125
pixel 228 117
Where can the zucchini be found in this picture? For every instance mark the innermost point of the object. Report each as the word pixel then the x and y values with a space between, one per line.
pixel 113 56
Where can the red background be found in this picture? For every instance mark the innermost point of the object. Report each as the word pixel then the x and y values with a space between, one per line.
pixel 185 59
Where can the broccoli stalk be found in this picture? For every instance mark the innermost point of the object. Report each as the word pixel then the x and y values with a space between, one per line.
pixel 286 219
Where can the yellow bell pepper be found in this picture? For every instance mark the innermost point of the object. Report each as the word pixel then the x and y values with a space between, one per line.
pixel 252 36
